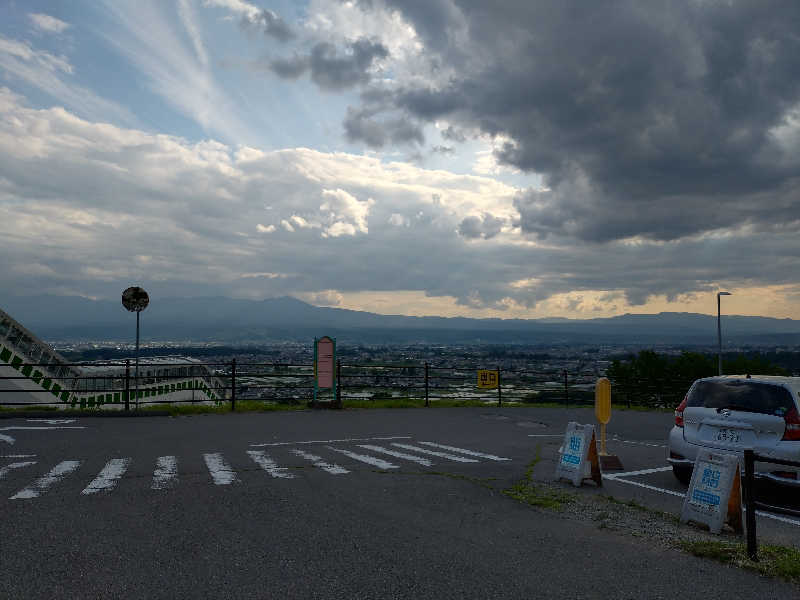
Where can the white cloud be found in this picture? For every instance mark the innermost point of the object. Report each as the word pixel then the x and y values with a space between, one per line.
pixel 345 213
pixel 19 61
pixel 179 73
pixel 47 23
pixel 171 213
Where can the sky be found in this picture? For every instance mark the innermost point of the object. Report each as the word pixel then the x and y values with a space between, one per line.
pixel 517 159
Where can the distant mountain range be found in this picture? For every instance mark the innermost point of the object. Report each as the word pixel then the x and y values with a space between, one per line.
pixel 57 318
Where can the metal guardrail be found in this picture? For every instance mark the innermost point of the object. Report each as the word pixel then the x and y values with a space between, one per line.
pixel 751 504
pixel 113 382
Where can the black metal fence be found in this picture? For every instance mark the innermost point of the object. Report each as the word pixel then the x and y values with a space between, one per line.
pixel 751 504
pixel 115 383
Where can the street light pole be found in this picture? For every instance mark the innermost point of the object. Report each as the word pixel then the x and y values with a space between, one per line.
pixel 719 333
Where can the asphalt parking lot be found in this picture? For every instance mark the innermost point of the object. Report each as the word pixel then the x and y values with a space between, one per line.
pixel 362 503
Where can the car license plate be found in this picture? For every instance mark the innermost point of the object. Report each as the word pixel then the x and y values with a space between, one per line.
pixel 730 436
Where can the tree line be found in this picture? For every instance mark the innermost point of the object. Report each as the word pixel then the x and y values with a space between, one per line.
pixel 652 379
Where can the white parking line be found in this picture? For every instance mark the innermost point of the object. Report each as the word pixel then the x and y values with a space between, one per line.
pixel 369 439
pixel 366 458
pixel 616 477
pixel 221 472
pixel 41 485
pixel 635 443
pixel 265 462
pixel 381 450
pixel 108 477
pixel 463 451
pixel 166 474
pixel 52 421
pixel 632 473
pixel 318 462
pixel 18 465
pixel 434 453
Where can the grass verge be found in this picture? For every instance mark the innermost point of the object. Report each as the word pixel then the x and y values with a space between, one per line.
pixel 525 490
pixel 774 561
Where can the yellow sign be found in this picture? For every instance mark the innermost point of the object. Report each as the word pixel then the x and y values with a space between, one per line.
pixel 487 380
pixel 602 400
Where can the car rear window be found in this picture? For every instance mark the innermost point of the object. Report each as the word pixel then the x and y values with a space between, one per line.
pixel 749 396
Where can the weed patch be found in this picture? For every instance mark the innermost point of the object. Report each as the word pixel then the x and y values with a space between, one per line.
pixel 774 561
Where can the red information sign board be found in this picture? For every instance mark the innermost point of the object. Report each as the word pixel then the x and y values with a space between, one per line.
pixel 325 351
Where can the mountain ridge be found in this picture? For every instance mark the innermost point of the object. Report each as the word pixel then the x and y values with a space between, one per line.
pixel 73 318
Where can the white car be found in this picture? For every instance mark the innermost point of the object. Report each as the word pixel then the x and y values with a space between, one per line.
pixel 735 412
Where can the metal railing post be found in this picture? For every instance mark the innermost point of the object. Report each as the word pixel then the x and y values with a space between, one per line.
pixel 750 504
pixel 427 398
pixel 233 385
pixel 127 385
pixel 338 383
pixel 499 389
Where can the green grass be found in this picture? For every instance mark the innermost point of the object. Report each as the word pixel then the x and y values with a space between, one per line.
pixel 774 561
pixel 26 408
pixel 525 490
pixel 224 407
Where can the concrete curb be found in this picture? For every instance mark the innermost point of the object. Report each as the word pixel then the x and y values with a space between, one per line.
pixel 58 414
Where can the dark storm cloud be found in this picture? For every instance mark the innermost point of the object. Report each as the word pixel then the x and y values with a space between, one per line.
pixel 449 150
pixel 646 119
pixel 290 68
pixel 486 226
pixel 361 124
pixel 332 69
pixel 269 23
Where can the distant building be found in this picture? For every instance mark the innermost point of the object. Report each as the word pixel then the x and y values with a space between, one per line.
pixel 31 372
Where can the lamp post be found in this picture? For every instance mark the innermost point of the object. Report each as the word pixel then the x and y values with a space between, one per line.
pixel 719 333
pixel 135 299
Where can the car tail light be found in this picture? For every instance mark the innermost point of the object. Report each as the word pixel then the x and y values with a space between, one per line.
pixel 792 431
pixel 785 474
pixel 679 412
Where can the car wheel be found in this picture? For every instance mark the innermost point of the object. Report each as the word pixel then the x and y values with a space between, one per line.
pixel 682 474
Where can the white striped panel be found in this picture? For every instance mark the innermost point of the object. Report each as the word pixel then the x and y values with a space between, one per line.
pixel 434 453
pixel 463 451
pixel 265 462
pixel 318 462
pixel 17 465
pixel 166 474
pixel 366 458
pixel 108 477
pixel 220 471
pixel 395 453
pixel 44 483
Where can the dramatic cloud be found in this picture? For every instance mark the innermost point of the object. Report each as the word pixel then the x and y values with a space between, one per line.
pixel 332 69
pixel 253 17
pixel 656 121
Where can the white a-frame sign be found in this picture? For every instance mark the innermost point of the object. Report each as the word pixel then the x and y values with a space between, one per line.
pixel 714 497
pixel 577 458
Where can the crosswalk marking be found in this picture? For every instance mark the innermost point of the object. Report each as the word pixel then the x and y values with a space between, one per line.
pixel 396 454
pixel 366 458
pixel 318 462
pixel 463 451
pixel 166 474
pixel 108 477
pixel 265 462
pixel 16 465
pixel 434 453
pixel 221 472
pixel 41 485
